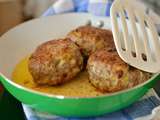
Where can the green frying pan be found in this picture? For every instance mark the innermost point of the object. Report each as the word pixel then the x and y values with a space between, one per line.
pixel 21 40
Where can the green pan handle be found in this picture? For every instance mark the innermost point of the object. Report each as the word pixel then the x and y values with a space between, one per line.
pixel 1 78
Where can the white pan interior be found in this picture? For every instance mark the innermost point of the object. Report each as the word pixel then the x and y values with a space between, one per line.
pixel 23 39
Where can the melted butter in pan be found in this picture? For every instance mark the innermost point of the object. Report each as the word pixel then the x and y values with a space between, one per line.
pixel 78 87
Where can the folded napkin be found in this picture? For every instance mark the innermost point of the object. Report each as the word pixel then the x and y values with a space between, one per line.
pixel 140 110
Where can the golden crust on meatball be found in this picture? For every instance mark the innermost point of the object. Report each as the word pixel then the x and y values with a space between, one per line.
pixel 55 62
pixel 108 73
pixel 90 39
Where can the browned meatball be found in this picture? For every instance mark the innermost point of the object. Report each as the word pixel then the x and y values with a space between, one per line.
pixel 109 73
pixel 90 39
pixel 55 62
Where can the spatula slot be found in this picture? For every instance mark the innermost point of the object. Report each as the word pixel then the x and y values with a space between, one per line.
pixel 133 54
pixel 144 57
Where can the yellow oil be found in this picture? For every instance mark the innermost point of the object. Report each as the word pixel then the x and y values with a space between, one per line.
pixel 78 87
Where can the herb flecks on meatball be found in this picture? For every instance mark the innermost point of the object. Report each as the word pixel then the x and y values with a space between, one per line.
pixel 108 73
pixel 55 62
pixel 90 39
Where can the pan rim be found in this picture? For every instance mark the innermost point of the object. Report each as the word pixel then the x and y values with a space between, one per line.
pixel 68 97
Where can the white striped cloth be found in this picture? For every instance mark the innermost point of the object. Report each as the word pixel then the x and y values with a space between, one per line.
pixel 95 7
pixel 141 110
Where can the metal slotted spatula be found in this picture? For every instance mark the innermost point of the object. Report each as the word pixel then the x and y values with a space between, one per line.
pixel 135 36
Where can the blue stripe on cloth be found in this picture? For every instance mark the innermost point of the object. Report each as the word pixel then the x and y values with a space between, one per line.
pixel 98 9
pixel 108 6
pixel 142 108
pixel 49 12
pixel 156 102
pixel 127 116
pixel 113 116
pixel 80 5
pixel 138 109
